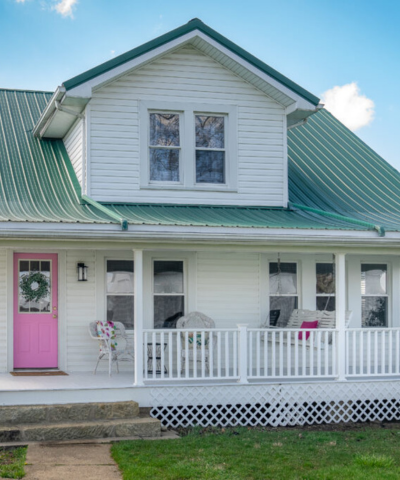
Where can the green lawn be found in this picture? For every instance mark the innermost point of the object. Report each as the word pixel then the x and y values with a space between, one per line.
pixel 12 462
pixel 255 454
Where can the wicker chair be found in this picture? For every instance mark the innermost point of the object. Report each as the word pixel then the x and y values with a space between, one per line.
pixel 123 350
pixel 195 320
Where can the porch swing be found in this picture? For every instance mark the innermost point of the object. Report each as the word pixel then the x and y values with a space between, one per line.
pixel 326 318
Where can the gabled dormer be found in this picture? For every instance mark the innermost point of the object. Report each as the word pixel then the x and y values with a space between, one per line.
pixel 188 118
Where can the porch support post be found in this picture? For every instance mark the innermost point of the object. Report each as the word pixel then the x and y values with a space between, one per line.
pixel 138 315
pixel 341 314
pixel 243 353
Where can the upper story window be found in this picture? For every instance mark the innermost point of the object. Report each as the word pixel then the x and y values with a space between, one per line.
pixel 164 148
pixel 188 146
pixel 210 149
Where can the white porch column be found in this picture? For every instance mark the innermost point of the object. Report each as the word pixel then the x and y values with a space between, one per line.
pixel 139 309
pixel 341 313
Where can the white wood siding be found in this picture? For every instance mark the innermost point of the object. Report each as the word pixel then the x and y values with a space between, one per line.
pixel 228 288
pixel 75 147
pixel 189 76
pixel 3 310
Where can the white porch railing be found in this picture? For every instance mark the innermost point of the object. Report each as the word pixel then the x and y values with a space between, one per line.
pixel 287 353
pixel 372 352
pixel 191 354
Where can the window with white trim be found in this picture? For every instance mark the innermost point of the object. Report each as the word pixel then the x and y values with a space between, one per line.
pixel 168 292
pixel 120 292
pixel 374 295
pixel 164 147
pixel 325 287
pixel 210 148
pixel 188 146
pixel 283 292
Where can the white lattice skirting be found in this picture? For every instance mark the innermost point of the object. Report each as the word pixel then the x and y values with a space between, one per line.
pixel 277 405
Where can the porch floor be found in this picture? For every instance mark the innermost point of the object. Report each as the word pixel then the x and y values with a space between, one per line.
pixel 73 381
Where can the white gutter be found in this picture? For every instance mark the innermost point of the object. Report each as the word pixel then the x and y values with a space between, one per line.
pixel 49 111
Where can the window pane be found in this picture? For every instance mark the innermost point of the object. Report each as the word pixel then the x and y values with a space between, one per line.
pixel 285 281
pixel 168 277
pixel 373 279
pixel 374 311
pixel 285 306
pixel 210 166
pixel 164 129
pixel 120 309
pixel 325 278
pixel 119 276
pixel 210 131
pixel 164 165
pixel 167 310
pixel 326 303
pixel 26 268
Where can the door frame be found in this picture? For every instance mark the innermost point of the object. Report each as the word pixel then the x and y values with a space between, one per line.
pixel 62 327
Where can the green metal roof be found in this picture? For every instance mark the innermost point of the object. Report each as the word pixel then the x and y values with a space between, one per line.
pixel 332 169
pixel 194 24
pixel 329 169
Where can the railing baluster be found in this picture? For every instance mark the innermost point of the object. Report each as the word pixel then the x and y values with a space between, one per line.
pixel 303 351
pixel 361 334
pixel 334 351
pixel 203 355
pixel 162 366
pixel 289 353
pixel 226 355
pixel 368 359
pixel 235 355
pixel 211 355
pixel 319 353
pixel 170 348
pixel 273 359
pixel 265 333
pixel 258 360
pixel 397 352
pixel 354 366
pixel 281 353
pixel 296 354
pixel 390 353
pixel 194 345
pixel 154 354
pixel 146 369
pixel 179 354
pixel 311 353
pixel 326 352
pixel 187 356
pixel 219 354
pixel 383 353
pixel 376 352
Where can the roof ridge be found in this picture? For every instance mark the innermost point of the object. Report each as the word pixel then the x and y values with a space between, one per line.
pixel 3 89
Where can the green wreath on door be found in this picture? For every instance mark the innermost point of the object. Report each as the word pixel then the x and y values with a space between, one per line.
pixel 34 286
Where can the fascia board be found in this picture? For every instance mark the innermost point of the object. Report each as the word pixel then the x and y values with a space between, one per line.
pixel 48 112
pixel 86 89
pixel 112 230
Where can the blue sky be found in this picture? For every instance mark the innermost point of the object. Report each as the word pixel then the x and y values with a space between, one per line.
pixel 319 44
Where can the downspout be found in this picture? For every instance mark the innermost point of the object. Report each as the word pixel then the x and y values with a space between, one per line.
pixel 107 211
pixel 371 226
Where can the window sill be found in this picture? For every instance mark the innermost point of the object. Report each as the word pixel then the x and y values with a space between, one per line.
pixel 206 188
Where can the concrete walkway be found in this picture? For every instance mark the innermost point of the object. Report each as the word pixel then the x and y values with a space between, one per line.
pixel 86 461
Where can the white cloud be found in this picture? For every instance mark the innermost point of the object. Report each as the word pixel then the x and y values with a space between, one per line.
pixel 349 106
pixel 64 7
pixel 20 1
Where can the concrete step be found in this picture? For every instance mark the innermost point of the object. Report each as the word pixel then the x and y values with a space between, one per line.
pixel 39 414
pixel 95 429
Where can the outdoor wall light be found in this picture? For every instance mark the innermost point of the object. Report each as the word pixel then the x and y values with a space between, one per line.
pixel 82 272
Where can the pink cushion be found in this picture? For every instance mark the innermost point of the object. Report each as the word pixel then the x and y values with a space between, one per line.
pixel 307 325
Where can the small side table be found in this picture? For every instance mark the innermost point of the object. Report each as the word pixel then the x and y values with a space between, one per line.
pixel 158 357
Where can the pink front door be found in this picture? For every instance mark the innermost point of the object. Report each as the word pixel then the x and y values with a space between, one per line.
pixel 35 310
